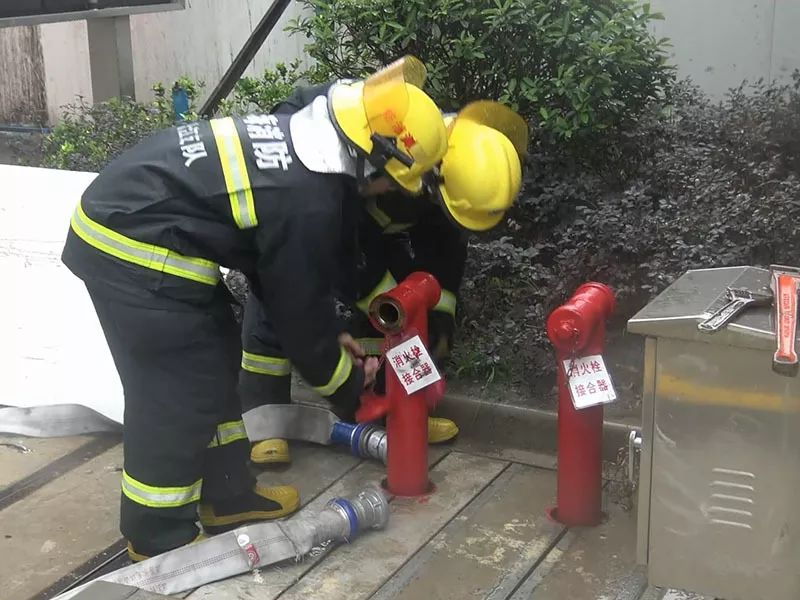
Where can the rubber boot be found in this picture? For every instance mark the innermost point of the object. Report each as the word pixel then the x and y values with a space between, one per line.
pixel 139 557
pixel 441 430
pixel 260 504
pixel 270 452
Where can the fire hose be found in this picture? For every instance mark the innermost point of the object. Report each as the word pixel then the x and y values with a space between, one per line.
pixel 252 547
pixel 301 422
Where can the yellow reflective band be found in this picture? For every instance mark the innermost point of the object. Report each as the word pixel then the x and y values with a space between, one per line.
pixel 371 346
pixel 160 497
pixel 447 303
pixel 340 375
pixel 229 432
pixel 383 220
pixel 145 255
pixel 266 365
pixel 234 168
pixel 386 284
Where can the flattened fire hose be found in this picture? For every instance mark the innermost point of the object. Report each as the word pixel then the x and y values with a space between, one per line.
pixel 301 422
pixel 251 547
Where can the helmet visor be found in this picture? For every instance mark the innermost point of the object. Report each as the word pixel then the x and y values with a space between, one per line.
pixel 499 117
pixel 386 99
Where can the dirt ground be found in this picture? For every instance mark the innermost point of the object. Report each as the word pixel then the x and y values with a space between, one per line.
pixel 20 149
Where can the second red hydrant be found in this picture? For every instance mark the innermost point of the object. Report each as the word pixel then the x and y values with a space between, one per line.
pixel 578 329
pixel 400 314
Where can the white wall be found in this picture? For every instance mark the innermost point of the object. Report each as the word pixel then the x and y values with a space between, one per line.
pixel 720 43
pixel 203 40
pixel 66 65
pixel 200 42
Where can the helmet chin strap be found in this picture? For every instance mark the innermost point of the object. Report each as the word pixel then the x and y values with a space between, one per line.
pixel 384 149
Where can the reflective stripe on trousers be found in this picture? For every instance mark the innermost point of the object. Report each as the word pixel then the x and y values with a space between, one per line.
pixel 447 303
pixel 266 365
pixel 145 255
pixel 229 432
pixel 160 497
pixel 340 375
pixel 234 168
pixel 387 283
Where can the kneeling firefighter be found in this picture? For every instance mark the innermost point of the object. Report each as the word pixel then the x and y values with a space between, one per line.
pixel 400 233
pixel 271 196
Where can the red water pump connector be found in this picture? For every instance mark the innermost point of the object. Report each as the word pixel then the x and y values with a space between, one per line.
pixel 401 314
pixel 578 329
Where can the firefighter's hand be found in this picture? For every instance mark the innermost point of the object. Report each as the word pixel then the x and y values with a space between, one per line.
pixel 352 346
pixel 371 367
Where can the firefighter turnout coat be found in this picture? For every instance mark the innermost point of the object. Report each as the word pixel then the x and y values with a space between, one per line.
pixel 160 221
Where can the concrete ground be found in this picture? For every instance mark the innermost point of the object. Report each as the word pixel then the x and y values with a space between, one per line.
pixel 484 533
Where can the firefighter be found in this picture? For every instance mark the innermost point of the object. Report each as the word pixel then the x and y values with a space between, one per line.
pixel 271 196
pixel 399 234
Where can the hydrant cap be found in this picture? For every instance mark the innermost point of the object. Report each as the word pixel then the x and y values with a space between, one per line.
pixel 601 293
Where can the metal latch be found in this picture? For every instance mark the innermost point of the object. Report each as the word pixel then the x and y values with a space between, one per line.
pixel 634 446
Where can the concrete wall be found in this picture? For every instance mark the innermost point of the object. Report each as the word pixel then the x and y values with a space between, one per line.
pixel 720 43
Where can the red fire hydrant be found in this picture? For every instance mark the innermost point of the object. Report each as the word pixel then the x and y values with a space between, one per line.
pixel 400 314
pixel 578 329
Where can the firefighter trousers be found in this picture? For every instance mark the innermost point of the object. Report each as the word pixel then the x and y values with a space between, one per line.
pixel 183 437
pixel 266 375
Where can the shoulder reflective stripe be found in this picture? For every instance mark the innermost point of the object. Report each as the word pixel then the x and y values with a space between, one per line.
pixel 381 218
pixel 234 168
pixel 340 375
pixel 371 346
pixel 144 255
pixel 229 432
pixel 160 497
pixel 266 365
pixel 447 303
pixel 386 284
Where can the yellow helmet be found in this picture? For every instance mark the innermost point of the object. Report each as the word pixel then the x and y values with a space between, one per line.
pixel 481 173
pixel 391 123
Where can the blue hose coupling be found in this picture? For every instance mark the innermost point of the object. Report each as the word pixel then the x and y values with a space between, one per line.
pixel 365 440
pixel 368 510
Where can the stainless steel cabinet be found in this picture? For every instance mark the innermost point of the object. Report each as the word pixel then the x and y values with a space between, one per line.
pixel 719 476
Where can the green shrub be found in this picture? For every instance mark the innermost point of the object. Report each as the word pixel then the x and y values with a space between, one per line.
pixel 264 92
pixel 573 66
pixel 709 186
pixel 90 136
